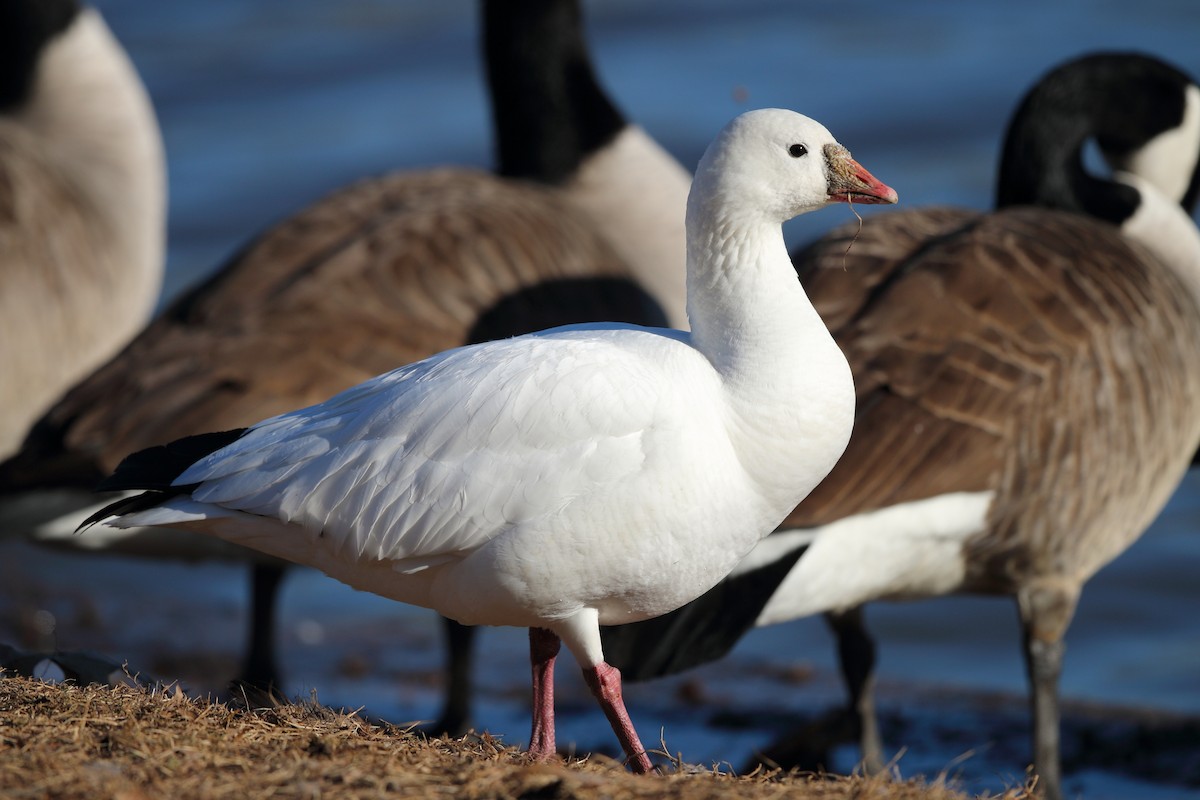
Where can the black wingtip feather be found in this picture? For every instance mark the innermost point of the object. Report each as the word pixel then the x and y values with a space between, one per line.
pixel 158 467
pixel 701 631
pixel 155 469
pixel 126 505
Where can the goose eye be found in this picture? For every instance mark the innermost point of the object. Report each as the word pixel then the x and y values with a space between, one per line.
pixel 797 150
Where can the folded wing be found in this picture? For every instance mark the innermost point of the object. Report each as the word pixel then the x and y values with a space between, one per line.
pixel 435 459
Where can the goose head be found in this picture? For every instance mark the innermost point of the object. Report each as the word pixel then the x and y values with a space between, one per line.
pixel 782 164
pixel 1142 114
pixel 1157 137
pixel 1144 117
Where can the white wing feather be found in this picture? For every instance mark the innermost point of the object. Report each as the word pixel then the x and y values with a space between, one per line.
pixel 434 459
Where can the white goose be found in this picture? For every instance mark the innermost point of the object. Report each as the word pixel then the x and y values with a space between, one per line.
pixel 584 222
pixel 82 204
pixel 1026 386
pixel 585 475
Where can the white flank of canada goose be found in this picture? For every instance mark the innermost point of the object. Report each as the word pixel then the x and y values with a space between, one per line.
pixel 82 205
pixel 585 475
pixel 848 563
pixel 1026 385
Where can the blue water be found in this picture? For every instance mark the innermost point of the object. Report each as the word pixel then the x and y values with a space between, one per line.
pixel 266 105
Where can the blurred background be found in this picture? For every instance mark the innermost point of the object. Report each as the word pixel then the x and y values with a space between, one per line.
pixel 266 105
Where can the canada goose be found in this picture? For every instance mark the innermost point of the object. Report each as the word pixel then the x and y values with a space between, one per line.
pixel 82 204
pixel 582 475
pixel 400 267
pixel 1025 385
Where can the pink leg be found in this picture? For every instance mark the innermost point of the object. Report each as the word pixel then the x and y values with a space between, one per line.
pixel 543 647
pixel 605 682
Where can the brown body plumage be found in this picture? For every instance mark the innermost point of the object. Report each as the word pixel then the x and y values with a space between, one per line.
pixel 1035 354
pixel 1036 357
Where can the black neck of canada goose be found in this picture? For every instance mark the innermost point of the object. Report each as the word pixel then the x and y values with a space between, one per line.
pixel 1142 114
pixel 549 111
pixel 25 28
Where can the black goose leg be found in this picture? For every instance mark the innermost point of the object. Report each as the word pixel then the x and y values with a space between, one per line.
pixel 259 671
pixel 455 719
pixel 1046 611
pixel 856 656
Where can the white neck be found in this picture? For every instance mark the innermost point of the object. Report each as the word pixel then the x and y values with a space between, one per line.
pixel 89 111
pixel 784 376
pixel 635 192
pixel 1165 229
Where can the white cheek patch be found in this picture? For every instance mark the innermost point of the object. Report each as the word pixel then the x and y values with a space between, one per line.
pixel 1169 159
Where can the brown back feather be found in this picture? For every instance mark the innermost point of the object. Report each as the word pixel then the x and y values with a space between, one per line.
pixel 1036 354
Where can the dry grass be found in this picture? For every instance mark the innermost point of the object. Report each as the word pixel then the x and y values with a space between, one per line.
pixel 130 743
